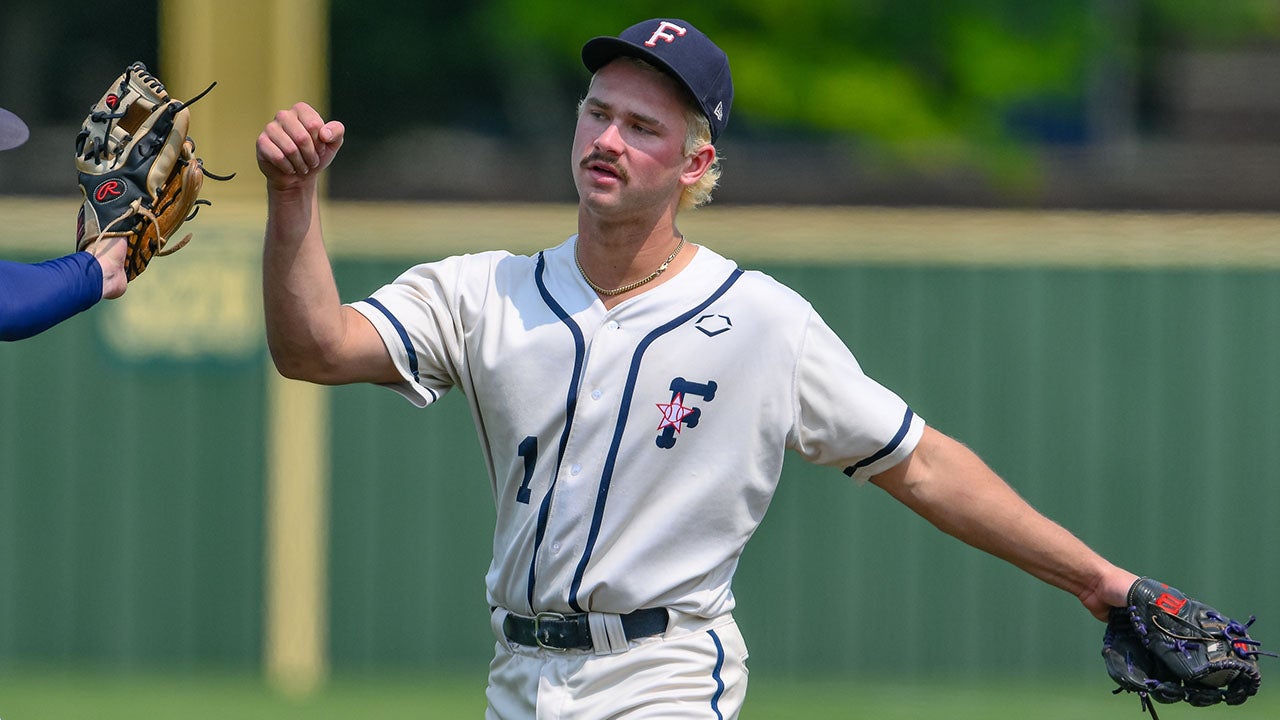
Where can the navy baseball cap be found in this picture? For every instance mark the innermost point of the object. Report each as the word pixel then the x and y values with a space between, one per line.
pixel 13 132
pixel 680 50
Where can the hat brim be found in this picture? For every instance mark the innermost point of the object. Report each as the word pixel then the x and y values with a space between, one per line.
pixel 13 132
pixel 601 51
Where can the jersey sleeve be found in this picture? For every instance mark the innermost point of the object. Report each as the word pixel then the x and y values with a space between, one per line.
pixel 845 419
pixel 35 297
pixel 419 317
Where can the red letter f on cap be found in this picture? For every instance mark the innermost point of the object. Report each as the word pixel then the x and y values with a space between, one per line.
pixel 664 33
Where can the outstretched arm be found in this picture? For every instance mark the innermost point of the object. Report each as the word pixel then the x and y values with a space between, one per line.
pixel 948 485
pixel 35 297
pixel 310 334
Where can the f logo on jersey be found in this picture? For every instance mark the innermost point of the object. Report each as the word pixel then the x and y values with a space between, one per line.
pixel 676 415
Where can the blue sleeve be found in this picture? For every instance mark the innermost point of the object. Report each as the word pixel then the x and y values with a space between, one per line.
pixel 35 297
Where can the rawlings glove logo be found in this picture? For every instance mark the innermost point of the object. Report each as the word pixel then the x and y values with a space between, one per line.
pixel 109 190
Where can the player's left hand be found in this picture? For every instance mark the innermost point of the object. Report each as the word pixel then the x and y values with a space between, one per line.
pixel 1168 647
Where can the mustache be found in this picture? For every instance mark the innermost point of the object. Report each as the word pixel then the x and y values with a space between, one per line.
pixel 607 159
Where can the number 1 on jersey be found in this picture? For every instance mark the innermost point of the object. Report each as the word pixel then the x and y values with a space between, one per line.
pixel 528 450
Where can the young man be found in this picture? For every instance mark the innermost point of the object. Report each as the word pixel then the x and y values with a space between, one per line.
pixel 634 395
pixel 35 297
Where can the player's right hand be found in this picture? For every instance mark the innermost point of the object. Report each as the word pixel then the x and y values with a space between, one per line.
pixel 296 146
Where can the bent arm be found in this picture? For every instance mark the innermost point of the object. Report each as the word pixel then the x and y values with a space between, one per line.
pixel 310 334
pixel 948 485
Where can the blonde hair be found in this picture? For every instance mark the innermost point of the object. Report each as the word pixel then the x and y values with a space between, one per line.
pixel 698 133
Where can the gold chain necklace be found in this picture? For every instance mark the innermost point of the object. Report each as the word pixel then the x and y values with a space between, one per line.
pixel 630 286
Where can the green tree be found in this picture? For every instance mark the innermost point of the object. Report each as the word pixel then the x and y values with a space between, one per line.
pixel 933 83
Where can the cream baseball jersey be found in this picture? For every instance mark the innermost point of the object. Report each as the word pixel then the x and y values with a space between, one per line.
pixel 632 452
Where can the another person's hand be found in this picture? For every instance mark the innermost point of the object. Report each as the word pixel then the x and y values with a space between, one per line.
pixel 111 255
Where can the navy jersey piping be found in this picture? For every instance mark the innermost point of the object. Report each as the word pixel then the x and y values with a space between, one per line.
pixel 602 494
pixel 404 339
pixel 887 449
pixel 571 401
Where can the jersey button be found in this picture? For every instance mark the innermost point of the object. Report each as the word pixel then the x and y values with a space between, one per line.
pixel 575 469
pixel 595 394
pixel 612 325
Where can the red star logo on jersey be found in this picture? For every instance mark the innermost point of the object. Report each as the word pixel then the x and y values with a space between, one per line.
pixel 673 412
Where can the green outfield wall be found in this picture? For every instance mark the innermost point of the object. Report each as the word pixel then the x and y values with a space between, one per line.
pixel 1119 370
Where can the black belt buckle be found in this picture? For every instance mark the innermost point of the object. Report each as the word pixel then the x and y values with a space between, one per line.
pixel 540 636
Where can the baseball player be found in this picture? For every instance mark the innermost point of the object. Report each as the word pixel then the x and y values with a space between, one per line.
pixel 35 297
pixel 634 394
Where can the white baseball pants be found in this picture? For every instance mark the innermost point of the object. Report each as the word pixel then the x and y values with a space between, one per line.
pixel 695 671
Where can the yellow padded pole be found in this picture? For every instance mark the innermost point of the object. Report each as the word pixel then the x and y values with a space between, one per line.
pixel 265 55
